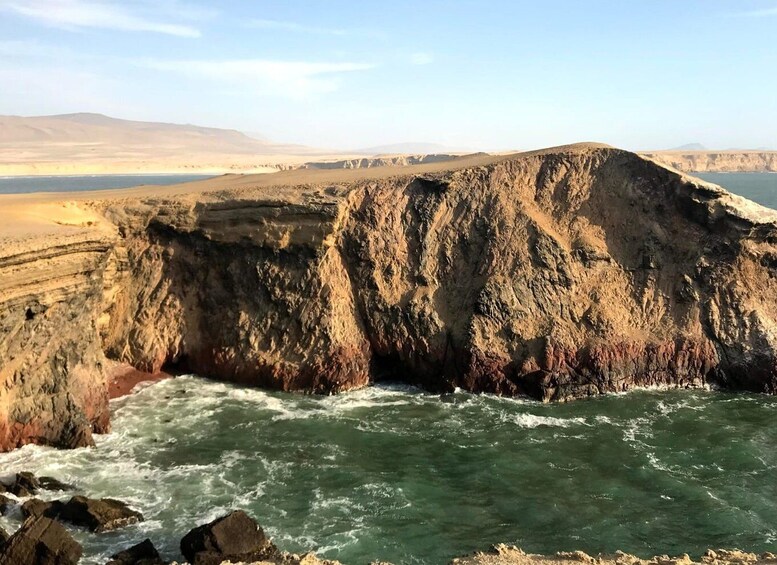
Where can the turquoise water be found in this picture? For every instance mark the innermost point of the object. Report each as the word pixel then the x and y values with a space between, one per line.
pixel 393 473
pixel 758 187
pixel 68 183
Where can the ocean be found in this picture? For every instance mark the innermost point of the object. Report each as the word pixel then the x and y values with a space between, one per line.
pixel 75 183
pixel 393 473
pixel 758 187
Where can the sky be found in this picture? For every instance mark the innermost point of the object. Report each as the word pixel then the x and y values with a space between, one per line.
pixel 469 74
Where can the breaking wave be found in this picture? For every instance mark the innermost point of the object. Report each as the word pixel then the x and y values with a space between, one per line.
pixel 394 473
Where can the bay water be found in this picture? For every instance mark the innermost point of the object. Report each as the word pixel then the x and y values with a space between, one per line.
pixel 394 473
pixel 758 187
pixel 80 183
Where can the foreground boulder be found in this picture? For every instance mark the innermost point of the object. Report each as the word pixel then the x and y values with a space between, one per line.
pixel 234 537
pixel 99 515
pixel 143 553
pixel 27 484
pixel 36 507
pixel 40 541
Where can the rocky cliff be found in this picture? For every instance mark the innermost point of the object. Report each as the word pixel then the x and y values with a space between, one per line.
pixel 718 161
pixel 384 161
pixel 555 274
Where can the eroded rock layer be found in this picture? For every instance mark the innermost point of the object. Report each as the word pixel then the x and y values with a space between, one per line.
pixel 718 161
pixel 554 274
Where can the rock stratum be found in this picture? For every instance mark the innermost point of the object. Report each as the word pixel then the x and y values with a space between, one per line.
pixel 556 274
pixel 718 161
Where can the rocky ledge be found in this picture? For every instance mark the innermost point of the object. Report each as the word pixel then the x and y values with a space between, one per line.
pixel 555 274
pixel 509 555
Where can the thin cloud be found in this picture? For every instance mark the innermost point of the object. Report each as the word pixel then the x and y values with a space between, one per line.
pixel 421 58
pixel 295 79
pixel 79 14
pixel 294 27
pixel 759 13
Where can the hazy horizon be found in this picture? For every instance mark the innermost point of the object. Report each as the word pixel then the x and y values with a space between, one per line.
pixel 464 75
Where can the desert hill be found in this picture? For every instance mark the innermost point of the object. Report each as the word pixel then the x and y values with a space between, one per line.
pixel 94 143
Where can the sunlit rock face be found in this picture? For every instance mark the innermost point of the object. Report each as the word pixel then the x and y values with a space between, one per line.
pixel 555 274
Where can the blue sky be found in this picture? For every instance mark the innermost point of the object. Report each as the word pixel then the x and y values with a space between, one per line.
pixel 345 74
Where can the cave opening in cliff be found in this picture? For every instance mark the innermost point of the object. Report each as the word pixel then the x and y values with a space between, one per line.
pixel 177 365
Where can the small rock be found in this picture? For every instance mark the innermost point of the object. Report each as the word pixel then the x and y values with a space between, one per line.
pixel 143 553
pixel 50 483
pixel 6 504
pixel 576 556
pixel 99 515
pixel 25 485
pixel 40 541
pixel 234 537
pixel 36 507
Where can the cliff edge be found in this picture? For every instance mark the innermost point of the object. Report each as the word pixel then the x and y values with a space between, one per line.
pixel 717 161
pixel 555 274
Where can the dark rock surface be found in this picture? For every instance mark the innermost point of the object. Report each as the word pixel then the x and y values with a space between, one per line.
pixel 6 504
pixel 143 553
pixel 36 507
pixel 99 515
pixel 25 484
pixel 234 537
pixel 50 483
pixel 40 541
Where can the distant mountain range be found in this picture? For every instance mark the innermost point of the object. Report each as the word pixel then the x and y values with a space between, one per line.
pixel 96 133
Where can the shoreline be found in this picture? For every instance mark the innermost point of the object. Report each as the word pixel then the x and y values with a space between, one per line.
pixel 502 554
pixel 123 380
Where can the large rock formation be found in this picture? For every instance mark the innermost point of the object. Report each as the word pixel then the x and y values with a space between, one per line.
pixel 555 274
pixel 40 541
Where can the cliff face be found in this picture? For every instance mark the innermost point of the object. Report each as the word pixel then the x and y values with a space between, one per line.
pixel 52 374
pixel 717 161
pixel 555 274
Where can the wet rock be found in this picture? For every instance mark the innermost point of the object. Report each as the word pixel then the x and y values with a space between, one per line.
pixel 234 537
pixel 36 507
pixel 25 485
pixel 99 515
pixel 3 537
pixel 40 541
pixel 50 483
pixel 6 504
pixel 143 553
